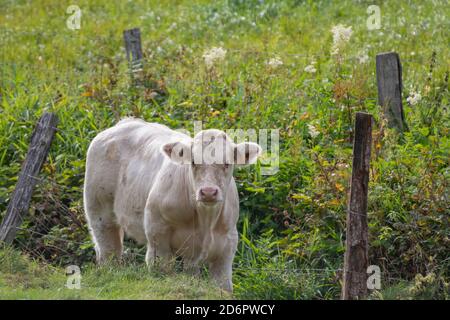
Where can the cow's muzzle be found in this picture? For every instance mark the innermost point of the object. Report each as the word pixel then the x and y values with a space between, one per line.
pixel 208 195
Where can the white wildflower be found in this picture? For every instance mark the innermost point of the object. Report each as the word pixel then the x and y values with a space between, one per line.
pixel 214 55
pixel 310 69
pixel 363 57
pixel 215 16
pixel 275 62
pixel 341 35
pixel 173 26
pixel 313 132
pixel 169 41
pixel 414 98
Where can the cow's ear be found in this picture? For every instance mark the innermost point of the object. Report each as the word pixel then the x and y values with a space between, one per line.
pixel 246 153
pixel 178 152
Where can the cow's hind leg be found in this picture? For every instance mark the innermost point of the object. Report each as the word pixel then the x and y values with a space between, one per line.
pixel 107 234
pixel 108 241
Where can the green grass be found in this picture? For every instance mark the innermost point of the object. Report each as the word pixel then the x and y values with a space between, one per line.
pixel 293 221
pixel 24 278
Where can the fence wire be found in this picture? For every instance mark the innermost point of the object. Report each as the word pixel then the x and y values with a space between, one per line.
pixel 39 239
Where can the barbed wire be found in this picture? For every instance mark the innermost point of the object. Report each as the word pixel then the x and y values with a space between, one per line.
pixel 173 81
pixel 335 274
pixel 132 253
pixel 270 54
pixel 237 268
pixel 47 235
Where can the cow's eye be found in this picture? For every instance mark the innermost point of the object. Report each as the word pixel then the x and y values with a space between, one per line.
pixel 226 166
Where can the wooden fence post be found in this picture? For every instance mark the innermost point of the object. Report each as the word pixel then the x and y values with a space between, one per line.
pixel 18 206
pixel 132 39
pixel 356 253
pixel 389 81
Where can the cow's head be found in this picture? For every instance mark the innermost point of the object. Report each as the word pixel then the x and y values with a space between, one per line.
pixel 211 157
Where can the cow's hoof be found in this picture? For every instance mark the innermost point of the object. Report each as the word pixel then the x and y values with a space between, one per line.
pixel 160 265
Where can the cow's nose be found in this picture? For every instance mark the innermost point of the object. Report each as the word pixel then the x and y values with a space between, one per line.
pixel 209 194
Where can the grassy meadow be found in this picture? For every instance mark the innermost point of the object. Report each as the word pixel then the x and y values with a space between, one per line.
pixel 282 70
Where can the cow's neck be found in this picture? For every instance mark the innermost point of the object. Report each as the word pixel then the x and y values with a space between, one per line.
pixel 207 216
pixel 205 220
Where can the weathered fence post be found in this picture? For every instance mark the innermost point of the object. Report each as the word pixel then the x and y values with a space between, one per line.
pixel 389 80
pixel 356 253
pixel 132 39
pixel 18 206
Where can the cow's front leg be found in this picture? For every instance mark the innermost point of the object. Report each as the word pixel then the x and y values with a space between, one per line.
pixel 191 266
pixel 159 252
pixel 220 270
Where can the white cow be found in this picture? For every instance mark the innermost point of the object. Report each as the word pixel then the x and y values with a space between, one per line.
pixel 165 189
